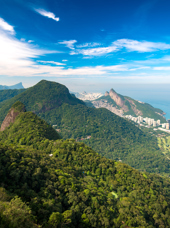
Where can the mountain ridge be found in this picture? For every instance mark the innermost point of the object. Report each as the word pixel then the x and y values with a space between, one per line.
pixel 16 86
pixel 107 133
pixel 123 105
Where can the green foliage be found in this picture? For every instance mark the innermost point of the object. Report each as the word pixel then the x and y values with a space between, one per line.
pixel 18 214
pixel 66 190
pixel 56 183
pixel 41 98
pixel 111 136
pixel 28 129
pixel 18 106
pixel 9 93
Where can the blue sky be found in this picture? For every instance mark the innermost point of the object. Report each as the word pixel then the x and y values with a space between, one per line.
pixel 85 45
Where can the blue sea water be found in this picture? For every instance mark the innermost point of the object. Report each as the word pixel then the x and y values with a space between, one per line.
pixel 157 95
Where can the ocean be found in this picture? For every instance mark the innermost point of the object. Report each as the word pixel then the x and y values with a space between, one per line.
pixel 157 95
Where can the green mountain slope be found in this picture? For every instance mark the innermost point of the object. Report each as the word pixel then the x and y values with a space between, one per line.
pixel 27 128
pixel 9 93
pixel 128 106
pixel 41 98
pixel 105 132
pixel 56 183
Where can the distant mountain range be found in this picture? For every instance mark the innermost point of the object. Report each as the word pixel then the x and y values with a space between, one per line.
pixel 17 86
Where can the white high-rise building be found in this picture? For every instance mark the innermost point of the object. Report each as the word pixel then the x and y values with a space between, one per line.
pixel 149 122
pixel 146 119
pixel 158 122
pixel 154 123
pixel 164 125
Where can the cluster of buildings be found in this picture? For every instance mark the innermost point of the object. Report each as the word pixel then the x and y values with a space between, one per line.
pixel 148 121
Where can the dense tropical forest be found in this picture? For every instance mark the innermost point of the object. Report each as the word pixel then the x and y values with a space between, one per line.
pixel 49 182
pixel 9 93
pixel 105 132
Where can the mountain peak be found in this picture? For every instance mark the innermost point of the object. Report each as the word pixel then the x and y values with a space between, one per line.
pixel 16 86
pixel 106 94
pixel 112 91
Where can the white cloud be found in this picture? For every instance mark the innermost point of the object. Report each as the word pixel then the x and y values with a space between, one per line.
pixel 88 45
pixel 52 62
pixel 30 41
pixel 130 45
pixel 164 68
pixel 16 56
pixel 47 14
pixel 68 43
pixel 5 26
pixel 95 51
pixel 140 46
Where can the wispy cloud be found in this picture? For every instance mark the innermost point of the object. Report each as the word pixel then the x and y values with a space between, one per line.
pixel 47 14
pixel 95 51
pixel 88 45
pixel 16 56
pixel 140 46
pixel 52 62
pixel 129 45
pixel 164 68
pixel 68 43
pixel 5 26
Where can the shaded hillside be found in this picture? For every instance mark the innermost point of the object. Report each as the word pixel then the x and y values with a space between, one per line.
pixel 107 133
pixel 42 97
pixel 123 105
pixel 56 183
pixel 26 128
pixel 9 93
pixel 111 136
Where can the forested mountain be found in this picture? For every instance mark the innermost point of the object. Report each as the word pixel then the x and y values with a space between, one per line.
pixel 55 183
pixel 105 132
pixel 9 93
pixel 123 105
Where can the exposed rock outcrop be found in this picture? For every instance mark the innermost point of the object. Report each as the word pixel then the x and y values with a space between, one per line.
pixel 16 109
pixel 106 93
pixel 118 100
pixel 104 104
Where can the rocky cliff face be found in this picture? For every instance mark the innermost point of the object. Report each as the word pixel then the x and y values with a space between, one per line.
pixel 106 93
pixel 118 100
pixel 105 104
pixel 17 108
pixel 120 107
